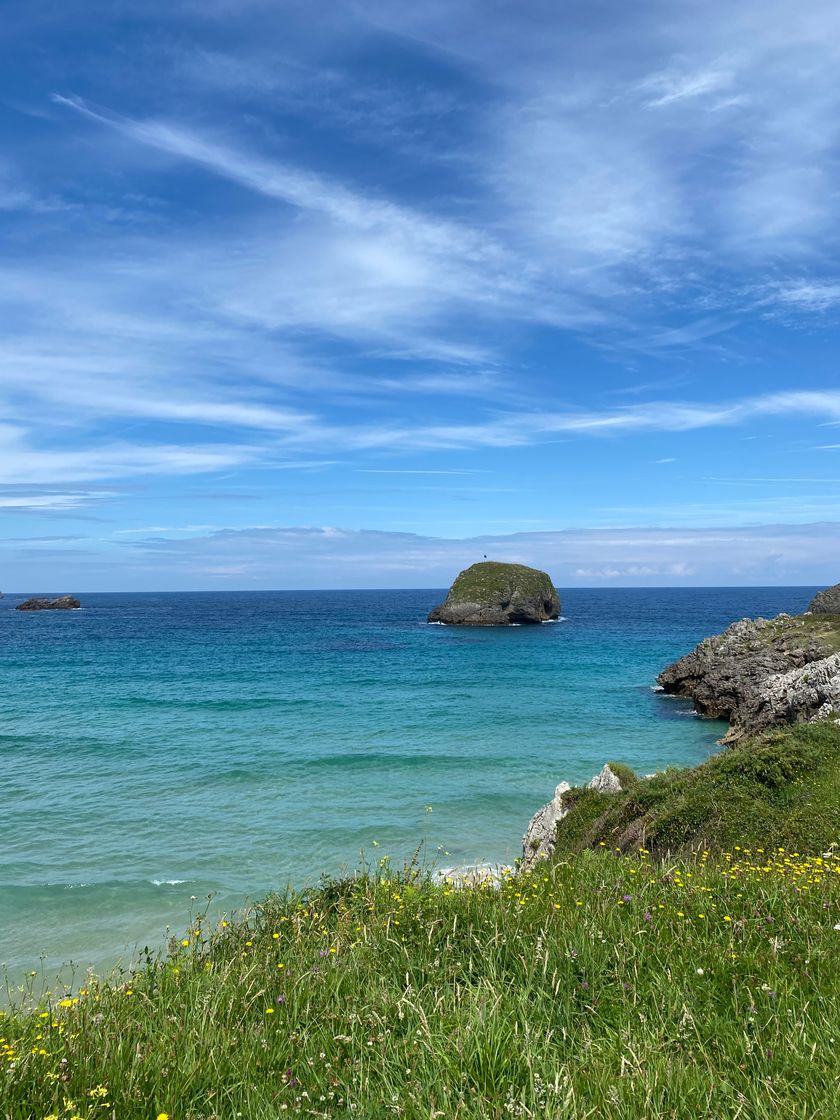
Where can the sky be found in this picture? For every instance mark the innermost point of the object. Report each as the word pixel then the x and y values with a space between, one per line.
pixel 349 295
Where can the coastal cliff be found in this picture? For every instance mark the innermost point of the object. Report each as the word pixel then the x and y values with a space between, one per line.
pixel 762 673
pixel 777 681
pixel 496 594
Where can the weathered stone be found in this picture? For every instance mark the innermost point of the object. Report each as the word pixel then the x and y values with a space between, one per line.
pixel 606 781
pixel 540 837
pixel 726 674
pixel 496 594
pixel 62 603
pixel 826 602
pixel 541 833
pixel 798 696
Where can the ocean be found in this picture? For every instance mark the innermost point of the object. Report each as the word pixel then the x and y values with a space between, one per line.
pixel 160 750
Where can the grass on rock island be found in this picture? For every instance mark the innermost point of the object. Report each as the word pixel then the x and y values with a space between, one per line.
pixel 606 984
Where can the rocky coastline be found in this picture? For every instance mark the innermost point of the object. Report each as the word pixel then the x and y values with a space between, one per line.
pixel 761 675
pixel 764 673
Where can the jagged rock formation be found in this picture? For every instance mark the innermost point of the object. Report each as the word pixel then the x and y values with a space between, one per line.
pixel 62 603
pixel 541 834
pixel 798 696
pixel 826 602
pixel 735 675
pixel 606 781
pixel 496 594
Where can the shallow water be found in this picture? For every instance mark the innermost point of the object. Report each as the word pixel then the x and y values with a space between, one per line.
pixel 162 746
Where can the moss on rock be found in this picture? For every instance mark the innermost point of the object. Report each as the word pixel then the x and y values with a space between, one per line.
pixel 498 594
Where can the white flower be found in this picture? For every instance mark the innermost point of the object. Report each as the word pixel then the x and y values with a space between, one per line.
pixel 699 971
pixel 837 926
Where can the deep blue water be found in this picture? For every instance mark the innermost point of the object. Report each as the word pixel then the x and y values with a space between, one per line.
pixel 155 747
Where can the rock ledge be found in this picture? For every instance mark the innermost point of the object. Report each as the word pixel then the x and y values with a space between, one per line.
pixel 763 673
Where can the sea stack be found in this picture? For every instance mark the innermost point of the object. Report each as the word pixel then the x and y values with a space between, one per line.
pixel 497 594
pixel 62 603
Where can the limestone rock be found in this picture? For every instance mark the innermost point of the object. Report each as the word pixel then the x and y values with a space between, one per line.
pixel 606 781
pixel 541 835
pixel 62 603
pixel 798 696
pixel 726 674
pixel 826 602
pixel 496 594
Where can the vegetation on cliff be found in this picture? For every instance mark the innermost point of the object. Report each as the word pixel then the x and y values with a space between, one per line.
pixel 604 983
pixel 496 594
pixel 762 673
pixel 782 789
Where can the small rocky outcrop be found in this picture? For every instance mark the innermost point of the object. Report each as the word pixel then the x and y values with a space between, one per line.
pixel 798 696
pixel 826 602
pixel 730 676
pixel 541 835
pixel 497 594
pixel 62 603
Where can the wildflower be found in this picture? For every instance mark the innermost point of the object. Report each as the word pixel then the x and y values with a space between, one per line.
pixel 700 972
pixel 627 897
pixel 163 1116
pixel 281 999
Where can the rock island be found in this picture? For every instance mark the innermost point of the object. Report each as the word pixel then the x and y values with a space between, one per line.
pixel 496 594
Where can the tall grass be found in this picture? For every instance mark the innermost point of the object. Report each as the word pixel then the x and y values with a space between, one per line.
pixel 607 985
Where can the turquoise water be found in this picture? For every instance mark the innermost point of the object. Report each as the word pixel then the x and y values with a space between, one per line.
pixel 156 748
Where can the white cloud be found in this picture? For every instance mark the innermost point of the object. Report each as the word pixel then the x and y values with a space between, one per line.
pixel 330 557
pixel 681 85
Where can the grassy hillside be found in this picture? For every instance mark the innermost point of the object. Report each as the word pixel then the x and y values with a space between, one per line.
pixel 606 984
pixel 782 790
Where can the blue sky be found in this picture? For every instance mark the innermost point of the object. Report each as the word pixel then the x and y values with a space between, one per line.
pixel 350 299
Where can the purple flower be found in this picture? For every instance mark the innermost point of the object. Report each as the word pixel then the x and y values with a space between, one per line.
pixel 281 999
pixel 648 916
pixel 291 1080
pixel 323 953
pixel 628 898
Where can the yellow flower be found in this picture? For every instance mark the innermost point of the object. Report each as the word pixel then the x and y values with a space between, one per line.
pixel 162 1116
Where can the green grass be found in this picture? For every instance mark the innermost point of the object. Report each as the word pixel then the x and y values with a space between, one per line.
pixel 604 985
pixel 776 790
pixel 798 630
pixel 490 579
pixel 615 982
